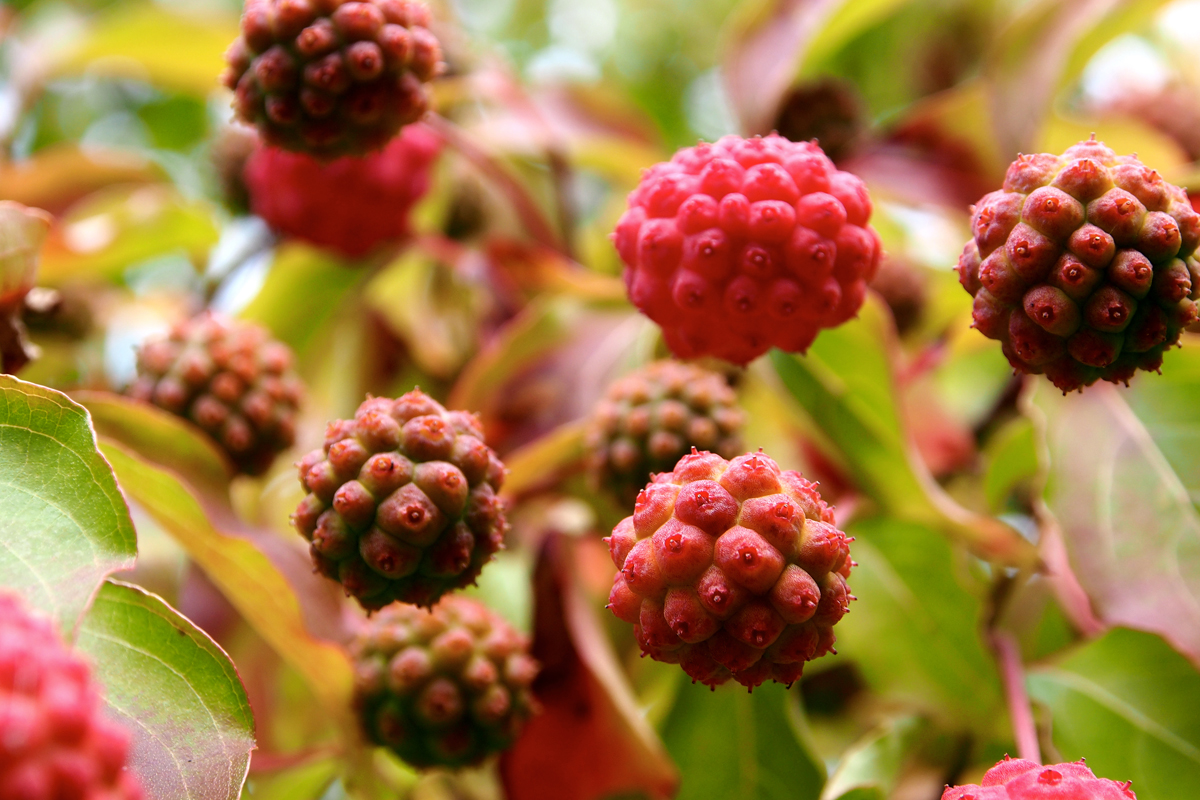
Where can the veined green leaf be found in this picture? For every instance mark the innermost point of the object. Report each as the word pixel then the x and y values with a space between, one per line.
pixel 66 524
pixel 1127 703
pixel 176 691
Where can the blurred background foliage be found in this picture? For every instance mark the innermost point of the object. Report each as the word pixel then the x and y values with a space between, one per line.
pixel 950 471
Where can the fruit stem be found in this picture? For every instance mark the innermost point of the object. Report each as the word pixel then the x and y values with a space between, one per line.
pixel 527 209
pixel 1012 673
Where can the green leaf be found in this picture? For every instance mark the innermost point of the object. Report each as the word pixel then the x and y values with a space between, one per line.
pixel 730 744
pixel 145 40
pixel 66 526
pixel 914 632
pixel 304 782
pixel 175 689
pixel 266 579
pixel 1131 532
pixel 1166 405
pixel 1011 459
pixel 303 290
pixel 116 228
pixel 845 384
pixel 22 231
pixel 1127 703
pixel 432 307
pixel 871 767
pixel 850 19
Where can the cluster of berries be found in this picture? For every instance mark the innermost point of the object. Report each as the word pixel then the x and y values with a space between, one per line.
pixel 55 741
pixel 331 77
pixel 651 418
pixel 1019 779
pixel 401 505
pixel 731 569
pixel 231 379
pixel 402 502
pixel 747 244
pixel 1083 266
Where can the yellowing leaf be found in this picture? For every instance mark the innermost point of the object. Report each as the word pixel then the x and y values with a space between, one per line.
pixel 114 229
pixel 174 49
pixel 266 598
pixel 22 231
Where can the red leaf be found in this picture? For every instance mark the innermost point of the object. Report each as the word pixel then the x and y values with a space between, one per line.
pixel 589 741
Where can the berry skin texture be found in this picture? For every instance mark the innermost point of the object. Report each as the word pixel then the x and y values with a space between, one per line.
pixel 330 77
pixel 56 741
pixel 442 687
pixel 747 244
pixel 402 501
pixel 1017 779
pixel 231 379
pixel 1083 266
pixel 731 569
pixel 651 418
pixel 350 205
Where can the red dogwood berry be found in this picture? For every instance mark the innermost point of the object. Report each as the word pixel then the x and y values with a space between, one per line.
pixel 350 205
pixel 747 244
pixel 1083 266
pixel 731 569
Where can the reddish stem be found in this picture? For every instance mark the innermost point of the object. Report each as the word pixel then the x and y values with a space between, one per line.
pixel 1012 673
pixel 523 203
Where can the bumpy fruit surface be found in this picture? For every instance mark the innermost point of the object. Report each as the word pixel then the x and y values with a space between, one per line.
pixel 731 569
pixel 1083 266
pixel 651 418
pixel 1017 779
pixel 402 501
pixel 330 77
pixel 443 687
pixel 54 739
pixel 350 205
pixel 230 378
pixel 747 244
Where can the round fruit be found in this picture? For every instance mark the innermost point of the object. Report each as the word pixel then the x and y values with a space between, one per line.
pixel 331 77
pixel 747 244
pixel 731 569
pixel 1083 266
pixel 1018 779
pixel 828 110
pixel 56 741
pixel 444 687
pixel 231 379
pixel 905 289
pixel 350 205
pixel 651 418
pixel 401 501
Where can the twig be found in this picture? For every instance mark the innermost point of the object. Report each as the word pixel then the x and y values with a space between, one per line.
pixel 560 172
pixel 1012 673
pixel 523 203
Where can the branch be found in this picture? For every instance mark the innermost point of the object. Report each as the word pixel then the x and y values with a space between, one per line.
pixel 1012 672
